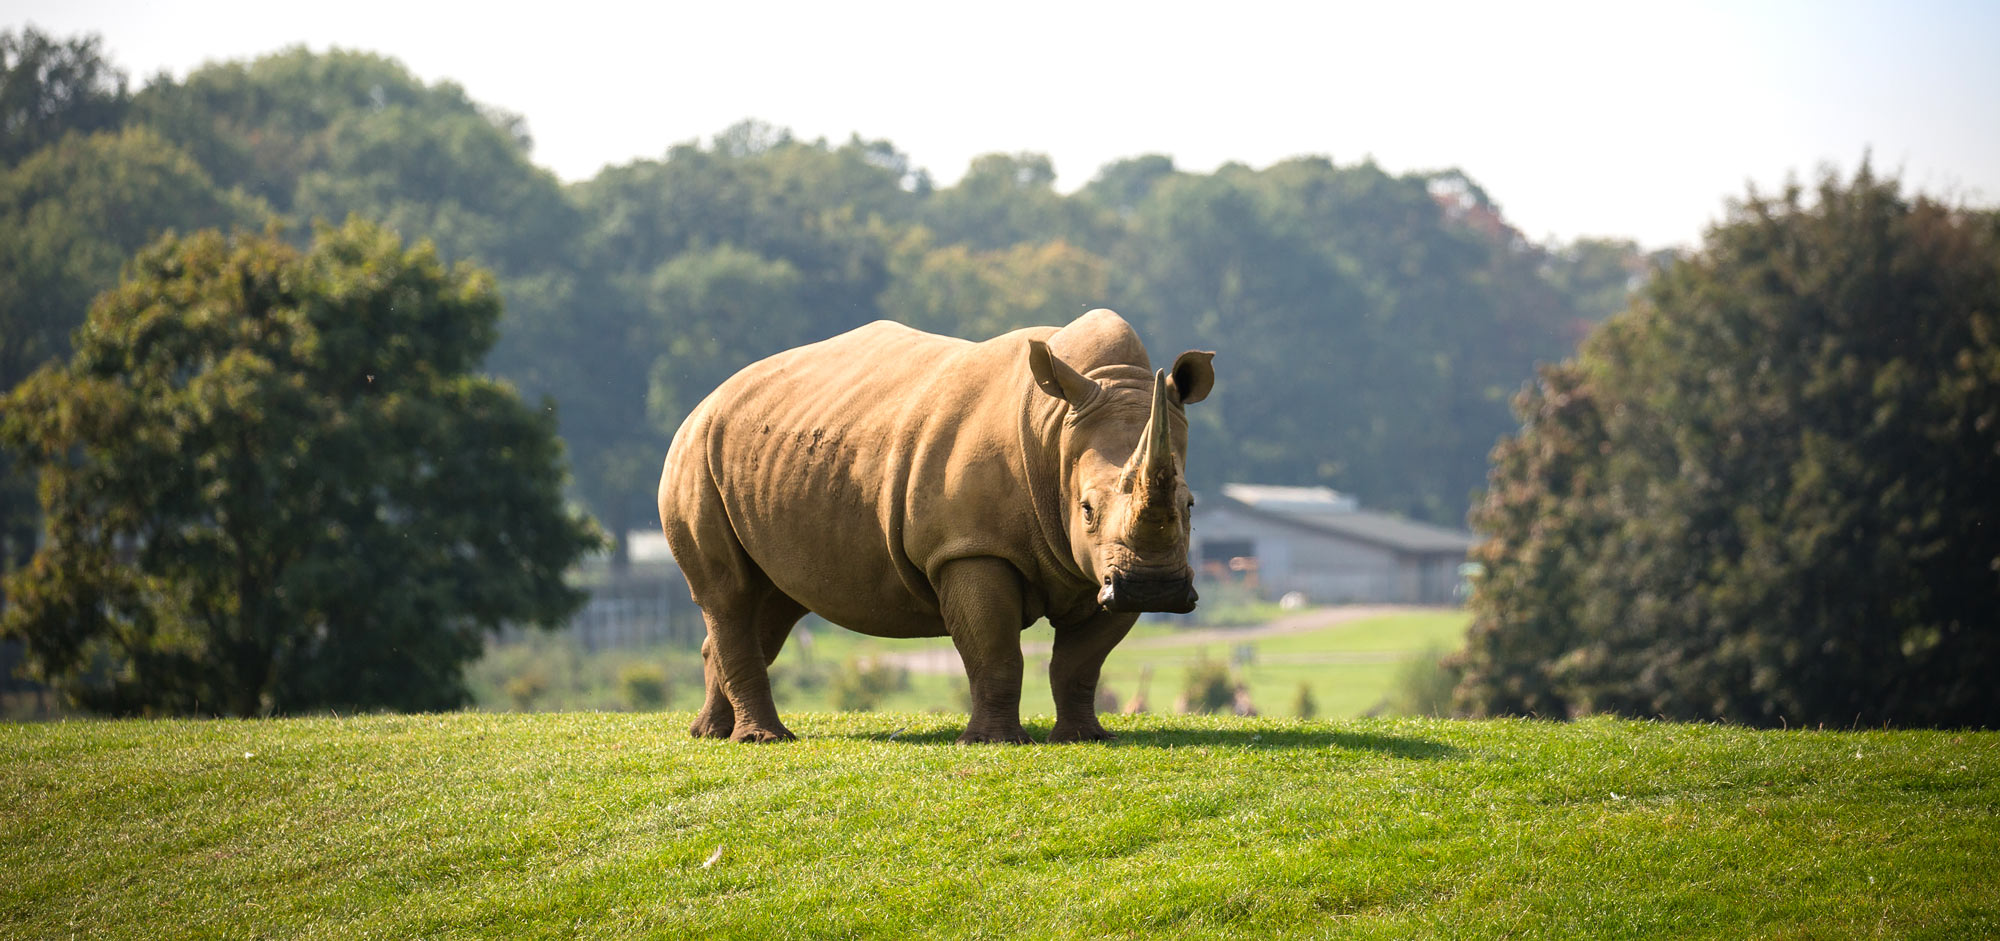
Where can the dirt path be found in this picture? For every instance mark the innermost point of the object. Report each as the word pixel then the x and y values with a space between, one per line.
pixel 945 660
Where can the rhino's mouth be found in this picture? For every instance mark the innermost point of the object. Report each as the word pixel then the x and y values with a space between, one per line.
pixel 1173 594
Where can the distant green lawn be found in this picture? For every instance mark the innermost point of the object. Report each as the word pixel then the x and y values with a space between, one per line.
pixel 1349 668
pixel 873 825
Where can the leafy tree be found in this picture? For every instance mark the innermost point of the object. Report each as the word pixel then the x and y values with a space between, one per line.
pixel 961 292
pixel 1123 185
pixel 70 214
pixel 271 484
pixel 715 312
pixel 329 135
pixel 1765 493
pixel 49 88
pixel 1006 199
pixel 1212 264
pixel 700 263
pixel 1598 275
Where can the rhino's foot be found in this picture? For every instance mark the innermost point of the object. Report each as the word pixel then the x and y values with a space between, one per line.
pixel 991 735
pixel 1092 732
pixel 752 733
pixel 708 726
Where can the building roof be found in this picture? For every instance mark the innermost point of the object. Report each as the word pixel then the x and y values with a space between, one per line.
pixel 1305 499
pixel 1327 511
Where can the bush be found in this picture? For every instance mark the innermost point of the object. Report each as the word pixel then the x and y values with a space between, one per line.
pixel 526 688
pixel 860 685
pixel 1209 687
pixel 644 686
pixel 1304 705
pixel 1424 685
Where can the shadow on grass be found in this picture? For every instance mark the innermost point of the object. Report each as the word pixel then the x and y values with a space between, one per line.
pixel 1398 746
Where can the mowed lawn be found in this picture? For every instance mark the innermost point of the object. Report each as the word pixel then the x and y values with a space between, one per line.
pixel 875 825
pixel 1349 667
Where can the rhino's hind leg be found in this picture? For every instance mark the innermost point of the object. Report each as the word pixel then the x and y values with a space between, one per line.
pixel 717 718
pixel 744 636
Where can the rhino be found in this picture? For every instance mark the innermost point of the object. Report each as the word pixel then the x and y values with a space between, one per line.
pixel 903 484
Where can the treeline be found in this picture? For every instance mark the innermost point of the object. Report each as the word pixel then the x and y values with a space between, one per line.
pixel 1371 326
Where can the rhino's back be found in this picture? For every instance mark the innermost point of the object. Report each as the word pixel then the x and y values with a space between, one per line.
pixel 851 469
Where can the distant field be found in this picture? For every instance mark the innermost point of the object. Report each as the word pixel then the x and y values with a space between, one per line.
pixel 599 825
pixel 1348 666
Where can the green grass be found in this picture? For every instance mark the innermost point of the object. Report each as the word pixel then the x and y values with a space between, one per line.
pixel 873 825
pixel 1350 668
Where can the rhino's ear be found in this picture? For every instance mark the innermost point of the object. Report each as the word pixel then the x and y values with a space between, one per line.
pixel 1193 376
pixel 1058 378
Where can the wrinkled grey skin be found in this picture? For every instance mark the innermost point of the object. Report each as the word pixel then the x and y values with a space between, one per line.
pixel 902 484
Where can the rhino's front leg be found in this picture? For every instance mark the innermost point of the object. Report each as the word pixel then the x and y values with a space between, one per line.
pixel 981 601
pixel 1073 669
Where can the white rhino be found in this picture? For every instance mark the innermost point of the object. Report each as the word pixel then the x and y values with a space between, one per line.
pixel 902 484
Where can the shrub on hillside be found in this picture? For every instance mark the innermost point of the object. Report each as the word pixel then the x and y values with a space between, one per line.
pixel 643 686
pixel 860 685
pixel 1209 687
pixel 1423 685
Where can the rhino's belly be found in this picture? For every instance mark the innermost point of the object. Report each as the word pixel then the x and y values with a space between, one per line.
pixel 819 520
pixel 839 575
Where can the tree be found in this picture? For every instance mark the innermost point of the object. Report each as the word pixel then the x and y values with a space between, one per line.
pixel 50 88
pixel 714 312
pixel 696 265
pixel 1006 199
pixel 1764 493
pixel 272 484
pixel 956 291
pixel 70 214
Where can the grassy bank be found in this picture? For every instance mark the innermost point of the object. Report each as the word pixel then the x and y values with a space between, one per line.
pixel 603 825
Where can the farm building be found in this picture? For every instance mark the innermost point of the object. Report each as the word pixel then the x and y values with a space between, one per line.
pixel 1320 543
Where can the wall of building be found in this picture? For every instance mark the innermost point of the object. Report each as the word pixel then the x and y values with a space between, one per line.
pixel 1326 568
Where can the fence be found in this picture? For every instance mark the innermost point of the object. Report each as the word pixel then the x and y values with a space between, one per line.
pixel 642 608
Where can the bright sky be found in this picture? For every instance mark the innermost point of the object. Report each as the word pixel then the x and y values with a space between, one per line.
pixel 1633 120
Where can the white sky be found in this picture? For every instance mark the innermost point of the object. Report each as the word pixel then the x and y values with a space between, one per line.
pixel 1634 120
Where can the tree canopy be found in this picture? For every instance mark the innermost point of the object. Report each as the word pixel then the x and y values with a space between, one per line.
pixel 1765 493
pixel 271 483
pixel 50 87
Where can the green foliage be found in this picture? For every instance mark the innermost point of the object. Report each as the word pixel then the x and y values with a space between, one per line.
pixel 1006 200
pixel 1384 320
pixel 271 484
pixel 525 689
pixel 644 686
pixel 1209 687
pixel 1424 685
pixel 603 826
pixel 70 215
pixel 1765 493
pixel 956 290
pixel 1303 704
pixel 49 88
pixel 859 685
pixel 702 262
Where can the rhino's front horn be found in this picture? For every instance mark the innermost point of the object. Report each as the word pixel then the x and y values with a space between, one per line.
pixel 1153 460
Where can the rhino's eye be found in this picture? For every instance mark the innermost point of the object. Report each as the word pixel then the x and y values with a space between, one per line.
pixel 1089 514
